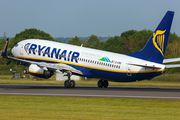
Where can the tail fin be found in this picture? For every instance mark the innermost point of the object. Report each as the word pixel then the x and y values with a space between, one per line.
pixel 4 52
pixel 155 48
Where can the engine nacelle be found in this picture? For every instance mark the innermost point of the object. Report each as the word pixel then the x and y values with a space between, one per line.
pixel 38 72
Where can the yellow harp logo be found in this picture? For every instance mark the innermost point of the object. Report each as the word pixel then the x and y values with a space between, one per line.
pixel 158 40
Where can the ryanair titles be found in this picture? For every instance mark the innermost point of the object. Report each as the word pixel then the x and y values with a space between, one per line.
pixel 51 52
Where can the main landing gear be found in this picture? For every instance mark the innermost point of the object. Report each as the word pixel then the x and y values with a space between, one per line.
pixel 26 71
pixel 102 83
pixel 69 83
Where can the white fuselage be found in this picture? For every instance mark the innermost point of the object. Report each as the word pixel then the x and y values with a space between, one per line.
pixel 91 62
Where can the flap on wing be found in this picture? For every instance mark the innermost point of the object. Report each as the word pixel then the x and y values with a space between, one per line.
pixel 58 66
pixel 146 66
pixel 171 60
pixel 173 66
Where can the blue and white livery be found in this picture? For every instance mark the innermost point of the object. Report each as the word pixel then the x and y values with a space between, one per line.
pixel 46 57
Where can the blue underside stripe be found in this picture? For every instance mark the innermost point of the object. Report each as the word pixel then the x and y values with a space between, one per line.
pixel 108 75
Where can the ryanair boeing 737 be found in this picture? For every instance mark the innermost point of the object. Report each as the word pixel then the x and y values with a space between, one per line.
pixel 46 57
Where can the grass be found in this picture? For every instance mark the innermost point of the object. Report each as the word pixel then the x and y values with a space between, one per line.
pixel 65 108
pixel 167 80
pixel 43 107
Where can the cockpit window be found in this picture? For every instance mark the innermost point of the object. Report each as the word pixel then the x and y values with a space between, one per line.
pixel 16 45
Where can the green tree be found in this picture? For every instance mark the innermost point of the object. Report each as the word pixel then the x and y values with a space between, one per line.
pixel 128 33
pixel 94 42
pixel 32 33
pixel 138 40
pixel 75 41
pixel 172 37
pixel 115 44
pixel 172 49
pixel 126 45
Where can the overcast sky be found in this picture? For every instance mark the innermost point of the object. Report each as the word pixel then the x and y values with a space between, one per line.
pixel 82 18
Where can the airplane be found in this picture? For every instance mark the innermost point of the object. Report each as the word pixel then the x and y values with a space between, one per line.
pixel 44 58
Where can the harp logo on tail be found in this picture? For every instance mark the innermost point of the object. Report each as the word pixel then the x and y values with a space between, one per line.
pixel 158 40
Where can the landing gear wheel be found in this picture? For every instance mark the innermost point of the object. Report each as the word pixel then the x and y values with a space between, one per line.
pixel 100 84
pixel 25 71
pixel 66 84
pixel 106 83
pixel 72 83
pixel 69 83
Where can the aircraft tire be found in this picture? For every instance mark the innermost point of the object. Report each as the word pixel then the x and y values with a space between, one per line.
pixel 100 83
pixel 72 83
pixel 66 84
pixel 106 83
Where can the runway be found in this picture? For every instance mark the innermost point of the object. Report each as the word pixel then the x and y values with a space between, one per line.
pixel 91 91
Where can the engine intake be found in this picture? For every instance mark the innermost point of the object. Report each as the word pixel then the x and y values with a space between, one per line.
pixel 48 74
pixel 39 72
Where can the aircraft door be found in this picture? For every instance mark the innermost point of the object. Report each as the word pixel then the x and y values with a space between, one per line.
pixel 22 48
pixel 128 70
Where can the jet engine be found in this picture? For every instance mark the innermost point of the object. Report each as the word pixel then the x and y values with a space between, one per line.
pixel 39 72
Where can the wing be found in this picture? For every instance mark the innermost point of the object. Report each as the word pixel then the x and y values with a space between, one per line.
pixel 49 66
pixel 46 66
pixel 173 66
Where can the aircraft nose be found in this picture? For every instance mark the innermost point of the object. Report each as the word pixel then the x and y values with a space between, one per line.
pixel 12 51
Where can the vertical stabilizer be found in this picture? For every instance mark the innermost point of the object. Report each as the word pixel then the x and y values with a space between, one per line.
pixel 4 51
pixel 155 48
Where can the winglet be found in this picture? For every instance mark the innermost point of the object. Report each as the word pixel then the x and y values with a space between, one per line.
pixel 4 52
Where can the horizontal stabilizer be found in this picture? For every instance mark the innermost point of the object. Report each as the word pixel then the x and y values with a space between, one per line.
pixel 173 66
pixel 171 60
pixel 146 66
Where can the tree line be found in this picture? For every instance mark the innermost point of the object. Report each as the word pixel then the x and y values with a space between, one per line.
pixel 127 42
